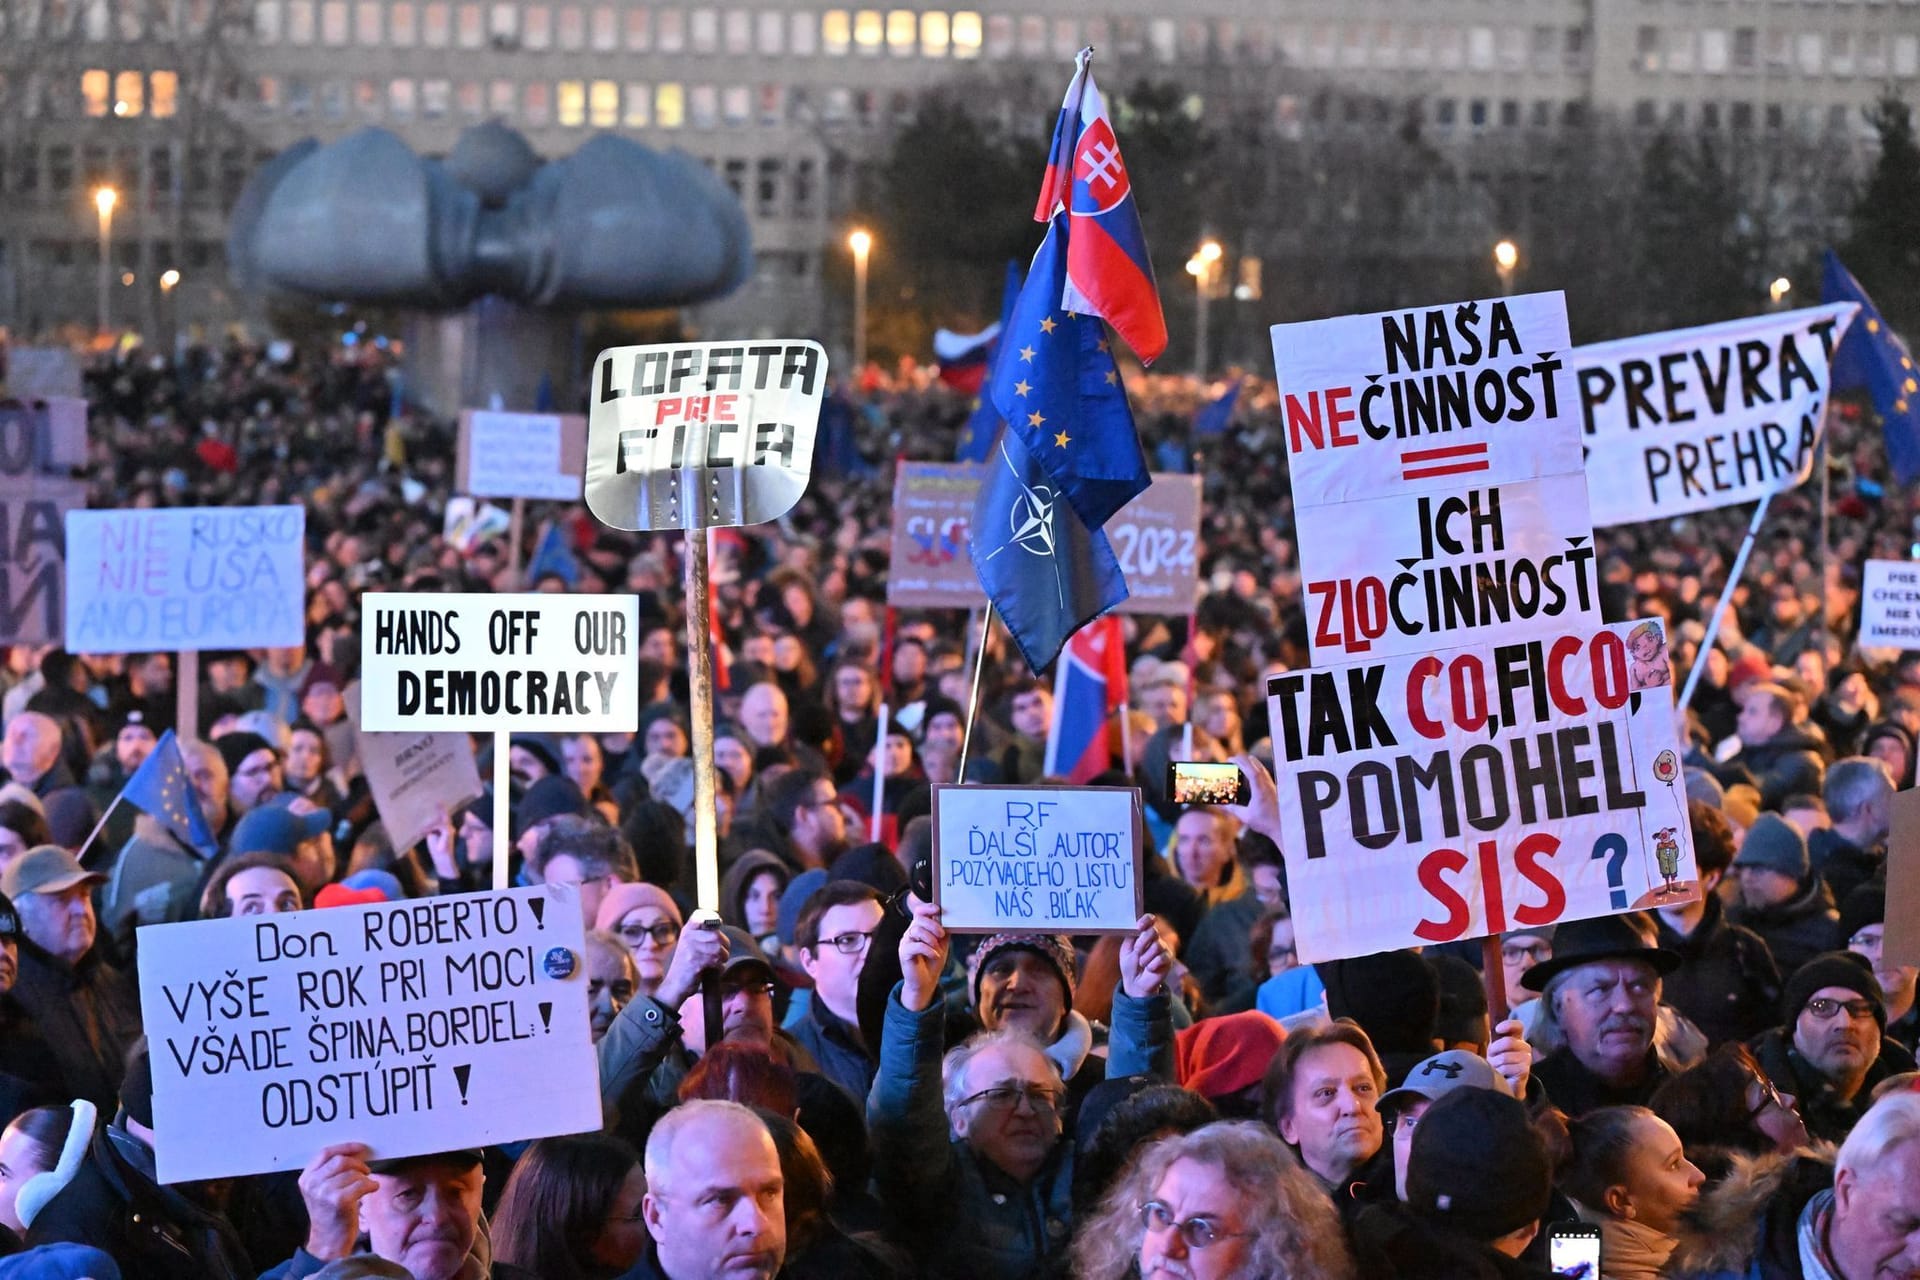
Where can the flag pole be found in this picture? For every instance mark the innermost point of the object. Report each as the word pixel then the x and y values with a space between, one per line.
pixel 973 698
pixel 1725 602
pixel 80 855
pixel 1826 544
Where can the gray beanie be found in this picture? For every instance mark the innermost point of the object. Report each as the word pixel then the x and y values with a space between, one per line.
pixel 1776 844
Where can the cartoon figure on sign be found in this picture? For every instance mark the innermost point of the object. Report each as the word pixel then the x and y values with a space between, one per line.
pixel 1666 852
pixel 1647 657
pixel 1666 767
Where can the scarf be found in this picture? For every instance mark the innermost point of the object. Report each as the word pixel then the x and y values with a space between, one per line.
pixel 1629 1250
pixel 1070 1049
pixel 1815 1263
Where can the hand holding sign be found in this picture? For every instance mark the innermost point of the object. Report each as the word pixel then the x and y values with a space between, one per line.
pixel 333 1184
pixel 1511 1055
pixel 923 956
pixel 702 949
pixel 1145 961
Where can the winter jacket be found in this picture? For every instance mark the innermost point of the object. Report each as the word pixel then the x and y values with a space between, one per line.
pixel 155 1232
pixel 1394 1242
pixel 1828 1117
pixel 89 1015
pixel 961 1214
pixel 835 1046
pixel 1216 954
pixel 1747 1226
pixel 1796 930
pixel 29 1073
pixel 1576 1090
pixel 1727 983
pixel 1844 865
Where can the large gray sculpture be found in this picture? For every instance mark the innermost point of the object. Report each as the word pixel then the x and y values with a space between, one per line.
pixel 366 220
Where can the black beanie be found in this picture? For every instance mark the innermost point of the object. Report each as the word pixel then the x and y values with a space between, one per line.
pixel 1477 1166
pixel 1864 906
pixel 1394 996
pixel 1463 999
pixel 136 1090
pixel 1834 969
pixel 235 747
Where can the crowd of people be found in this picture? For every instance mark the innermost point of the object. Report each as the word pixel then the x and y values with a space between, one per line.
pixel 1723 1087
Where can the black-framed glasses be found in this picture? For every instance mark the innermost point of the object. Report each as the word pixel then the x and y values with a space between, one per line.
pixel 1515 952
pixel 850 943
pixel 754 987
pixel 1281 955
pixel 1005 1097
pixel 1200 1232
pixel 662 934
pixel 1769 1097
pixel 1824 1007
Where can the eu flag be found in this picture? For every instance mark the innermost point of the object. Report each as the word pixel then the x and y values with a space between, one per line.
pixel 1059 390
pixel 1872 356
pixel 554 558
pixel 1213 417
pixel 160 787
pixel 1045 571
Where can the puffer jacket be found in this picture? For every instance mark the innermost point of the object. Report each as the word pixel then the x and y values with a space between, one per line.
pixel 962 1215
pixel 1746 1226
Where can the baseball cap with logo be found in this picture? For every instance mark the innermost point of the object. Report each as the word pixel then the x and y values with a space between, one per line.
pixel 1440 1075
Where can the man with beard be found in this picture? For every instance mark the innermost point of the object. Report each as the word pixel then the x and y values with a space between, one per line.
pixel 1599 998
pixel 1831 1050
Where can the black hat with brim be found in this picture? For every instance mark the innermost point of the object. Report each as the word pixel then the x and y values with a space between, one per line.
pixel 1601 938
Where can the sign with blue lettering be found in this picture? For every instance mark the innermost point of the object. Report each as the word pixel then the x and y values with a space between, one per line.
pixel 189 578
pixel 428 1025
pixel 1037 859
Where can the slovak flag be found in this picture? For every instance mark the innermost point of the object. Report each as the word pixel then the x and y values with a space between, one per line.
pixel 1108 271
pixel 1089 685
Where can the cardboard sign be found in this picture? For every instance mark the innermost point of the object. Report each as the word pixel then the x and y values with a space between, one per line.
pixel 1452 795
pixel 143 581
pixel 1037 859
pixel 1890 605
pixel 411 1026
pixel 40 371
pixel 415 777
pixel 1436 470
pixel 1155 538
pixel 521 455
pixel 702 434
pixel 1705 417
pixel 533 662
pixel 1902 941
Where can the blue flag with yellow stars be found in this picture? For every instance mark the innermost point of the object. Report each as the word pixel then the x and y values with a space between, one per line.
pixel 982 428
pixel 1872 356
pixel 1057 386
pixel 160 788
pixel 1045 571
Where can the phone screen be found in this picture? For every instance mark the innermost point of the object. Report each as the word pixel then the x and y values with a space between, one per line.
pixel 1198 782
pixel 1575 1256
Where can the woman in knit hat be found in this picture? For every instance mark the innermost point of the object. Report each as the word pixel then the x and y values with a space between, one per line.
pixel 648 924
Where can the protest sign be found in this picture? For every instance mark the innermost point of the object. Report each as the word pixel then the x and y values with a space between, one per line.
pixel 1705 417
pixel 702 434
pixel 43 434
pixel 415 777
pixel 188 578
pixel 40 371
pixel 521 455
pixel 1037 859
pixel 1890 605
pixel 417 1026
pixel 1901 945
pixel 1435 797
pixel 468 523
pixel 533 662
pixel 33 555
pixel 1436 470
pixel 1155 538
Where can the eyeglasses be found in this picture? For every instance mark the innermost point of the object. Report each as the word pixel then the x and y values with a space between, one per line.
pixel 1769 1097
pixel 581 884
pixel 1281 955
pixel 848 944
pixel 1198 1232
pixel 1824 1007
pixel 662 934
pixel 1514 953
pixel 729 989
pixel 1005 1097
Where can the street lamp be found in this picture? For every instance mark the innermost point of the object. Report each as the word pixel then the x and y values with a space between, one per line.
pixel 1204 267
pixel 104 199
pixel 1779 289
pixel 861 242
pixel 168 279
pixel 1506 256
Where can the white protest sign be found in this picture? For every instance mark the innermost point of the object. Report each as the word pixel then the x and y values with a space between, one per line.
pixel 1436 797
pixel 414 777
pixel 1705 417
pixel 412 1027
pixel 188 578
pixel 517 455
pixel 702 434
pixel 533 661
pixel 1437 484
pixel 1037 859
pixel 1890 605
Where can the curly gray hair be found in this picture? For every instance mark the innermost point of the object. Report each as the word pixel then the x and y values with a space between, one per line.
pixel 1299 1236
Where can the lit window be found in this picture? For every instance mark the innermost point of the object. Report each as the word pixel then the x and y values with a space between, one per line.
pixel 436 25
pixel 299 21
pixel 269 89
pixel 1066 39
pixel 773 105
pixel 902 32
pixel 639 30
pixel 95 89
pixel 333 23
pixel 606 29
pixel 472 26
pixel 738 32
pixel 1033 36
pixel 400 99
pixel 670 31
pixel 867 30
pixel 129 94
pixel 966 34
pixel 504 23
pixel 266 22
pixel 669 106
pixel 737 106
pixel 436 96
pixel 1480 48
pixel 471 103
pixel 704 30
pixel 836 31
pixel 1161 36
pixel 366 99
pixel 803 32
pixel 603 104
pixel 1713 51
pixel 933 34
pixel 501 97
pixel 537 101
pixel 639 106
pixel 539 31
pixel 366 22
pixel 401 27
pixel 99 20
pixel 570 104
pixel 703 106
pixel 999 36
pixel 163 94
pixel 770 32
pixel 572 33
